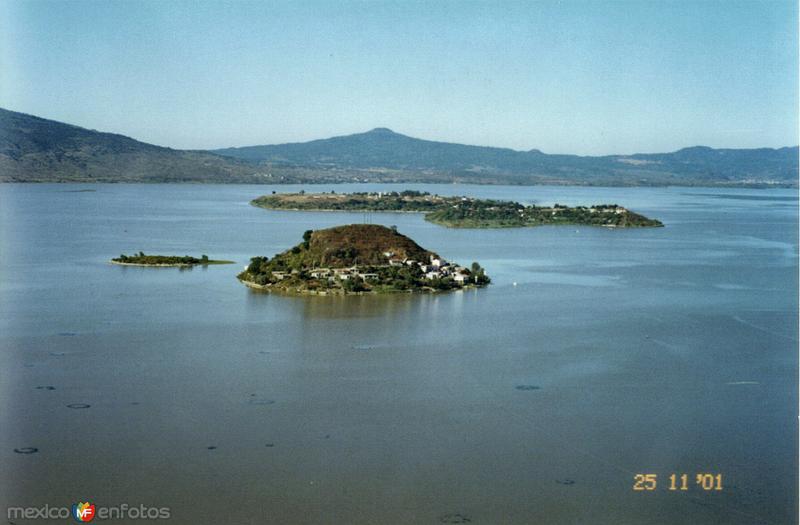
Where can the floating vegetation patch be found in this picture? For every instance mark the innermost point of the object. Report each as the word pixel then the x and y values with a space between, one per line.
pixel 78 406
pixel 454 518
pixel 368 346
pixel 26 450
pixel 255 400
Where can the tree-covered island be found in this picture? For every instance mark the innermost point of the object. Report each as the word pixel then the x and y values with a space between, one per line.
pixel 359 258
pixel 142 259
pixel 460 212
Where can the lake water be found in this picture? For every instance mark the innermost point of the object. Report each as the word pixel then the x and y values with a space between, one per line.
pixel 655 351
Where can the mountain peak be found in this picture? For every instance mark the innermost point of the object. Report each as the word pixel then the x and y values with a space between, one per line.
pixel 695 149
pixel 381 131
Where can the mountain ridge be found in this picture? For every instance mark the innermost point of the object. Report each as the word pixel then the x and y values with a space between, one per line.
pixel 34 149
pixel 390 132
pixel 387 149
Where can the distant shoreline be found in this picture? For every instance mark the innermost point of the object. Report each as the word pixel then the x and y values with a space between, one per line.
pixel 514 184
pixel 152 265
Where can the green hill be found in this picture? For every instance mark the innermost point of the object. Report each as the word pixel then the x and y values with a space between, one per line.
pixel 351 245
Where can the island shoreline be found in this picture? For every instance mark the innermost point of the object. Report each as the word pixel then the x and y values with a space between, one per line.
pixel 298 292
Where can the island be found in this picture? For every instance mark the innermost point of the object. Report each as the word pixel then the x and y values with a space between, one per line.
pixel 359 259
pixel 460 212
pixel 142 259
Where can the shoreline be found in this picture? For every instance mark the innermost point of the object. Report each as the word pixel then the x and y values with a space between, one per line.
pixel 326 293
pixel 334 211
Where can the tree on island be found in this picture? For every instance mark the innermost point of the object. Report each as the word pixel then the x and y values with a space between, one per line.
pixel 479 274
pixel 353 284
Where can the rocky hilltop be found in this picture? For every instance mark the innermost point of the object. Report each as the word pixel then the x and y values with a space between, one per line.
pixel 360 244
pixel 359 258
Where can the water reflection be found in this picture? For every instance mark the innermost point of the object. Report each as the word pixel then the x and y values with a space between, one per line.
pixel 395 305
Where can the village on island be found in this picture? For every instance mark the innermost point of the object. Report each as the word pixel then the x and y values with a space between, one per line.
pixel 435 268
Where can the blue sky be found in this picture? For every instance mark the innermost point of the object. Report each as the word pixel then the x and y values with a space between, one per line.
pixel 586 77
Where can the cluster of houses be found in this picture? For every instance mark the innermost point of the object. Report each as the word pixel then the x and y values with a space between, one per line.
pixel 436 268
pixel 343 274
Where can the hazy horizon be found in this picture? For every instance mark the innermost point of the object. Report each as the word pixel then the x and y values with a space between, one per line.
pixel 573 78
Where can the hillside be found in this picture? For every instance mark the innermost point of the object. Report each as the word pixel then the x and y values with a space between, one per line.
pixel 351 245
pixel 33 149
pixel 384 150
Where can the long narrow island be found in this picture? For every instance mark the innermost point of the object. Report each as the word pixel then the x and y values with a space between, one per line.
pixel 460 212
pixel 142 259
pixel 359 258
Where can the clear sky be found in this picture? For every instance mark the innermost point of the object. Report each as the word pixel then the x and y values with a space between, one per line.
pixel 586 77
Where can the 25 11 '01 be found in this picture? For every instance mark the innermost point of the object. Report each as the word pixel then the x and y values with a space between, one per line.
pixel 678 482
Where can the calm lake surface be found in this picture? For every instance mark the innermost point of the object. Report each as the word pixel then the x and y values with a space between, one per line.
pixel 655 351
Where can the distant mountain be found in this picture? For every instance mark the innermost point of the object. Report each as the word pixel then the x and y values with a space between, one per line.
pixel 382 148
pixel 33 149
